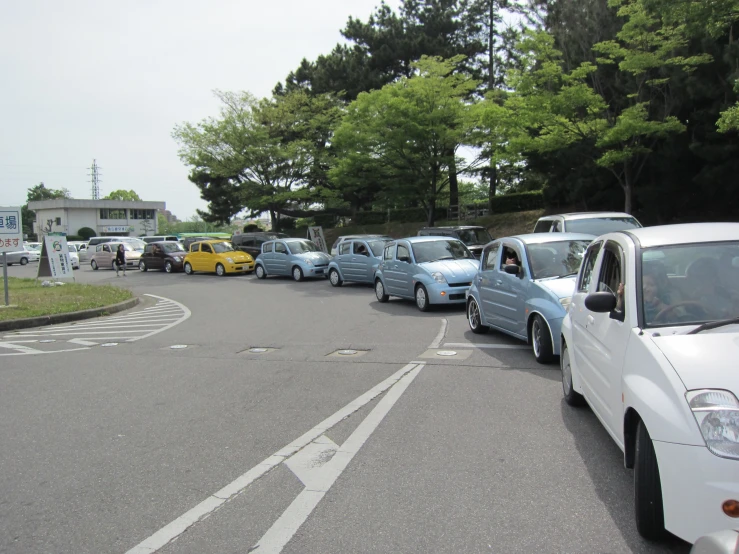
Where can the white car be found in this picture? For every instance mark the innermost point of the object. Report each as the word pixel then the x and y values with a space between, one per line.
pixel 74 255
pixel 658 366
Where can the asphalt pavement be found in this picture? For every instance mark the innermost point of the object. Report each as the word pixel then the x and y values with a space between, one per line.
pixel 229 414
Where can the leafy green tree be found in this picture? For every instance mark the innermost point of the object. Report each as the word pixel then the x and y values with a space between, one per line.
pixel 122 194
pixel 37 193
pixel 86 233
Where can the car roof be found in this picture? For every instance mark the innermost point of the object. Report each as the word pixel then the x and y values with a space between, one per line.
pixel 429 238
pixel 453 227
pixel 367 236
pixel 685 233
pixel 586 215
pixel 543 238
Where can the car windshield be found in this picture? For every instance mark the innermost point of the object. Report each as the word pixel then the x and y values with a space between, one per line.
pixel 221 247
pixel 377 246
pixel 127 247
pixel 690 283
pixel 172 247
pixel 556 259
pixel 70 247
pixel 443 249
pixel 600 225
pixel 301 246
pixel 473 237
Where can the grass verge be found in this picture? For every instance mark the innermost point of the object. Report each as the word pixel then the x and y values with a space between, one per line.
pixel 30 299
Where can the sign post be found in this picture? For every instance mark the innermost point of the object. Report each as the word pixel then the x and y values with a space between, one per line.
pixel 11 239
pixel 54 261
pixel 316 236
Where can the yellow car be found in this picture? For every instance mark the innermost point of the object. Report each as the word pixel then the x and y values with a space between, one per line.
pixel 217 256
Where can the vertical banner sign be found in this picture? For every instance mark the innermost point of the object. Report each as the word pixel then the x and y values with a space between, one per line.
pixel 316 235
pixel 11 239
pixel 55 261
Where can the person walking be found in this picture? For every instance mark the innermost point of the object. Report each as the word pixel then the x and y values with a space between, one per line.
pixel 120 260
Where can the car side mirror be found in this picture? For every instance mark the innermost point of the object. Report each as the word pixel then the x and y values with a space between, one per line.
pixel 405 259
pixel 511 269
pixel 600 302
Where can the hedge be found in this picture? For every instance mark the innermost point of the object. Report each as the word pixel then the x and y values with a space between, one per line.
pixel 516 202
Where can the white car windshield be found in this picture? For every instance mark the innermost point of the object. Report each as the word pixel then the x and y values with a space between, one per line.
pixel 556 259
pixel 474 237
pixel 689 284
pixel 600 225
pixel 302 246
pixel 221 247
pixel 443 249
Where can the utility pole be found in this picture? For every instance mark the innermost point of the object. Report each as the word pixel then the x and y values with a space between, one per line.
pixel 95 180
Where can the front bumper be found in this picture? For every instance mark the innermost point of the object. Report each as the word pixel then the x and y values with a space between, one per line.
pixel 239 268
pixel 315 271
pixel 442 293
pixel 695 484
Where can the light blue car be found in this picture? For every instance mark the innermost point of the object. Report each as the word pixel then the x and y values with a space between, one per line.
pixel 429 270
pixel 524 288
pixel 300 258
pixel 356 260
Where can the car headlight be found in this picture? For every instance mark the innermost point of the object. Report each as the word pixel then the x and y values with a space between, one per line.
pixel 308 262
pixel 177 258
pixel 230 260
pixel 438 277
pixel 566 301
pixel 717 414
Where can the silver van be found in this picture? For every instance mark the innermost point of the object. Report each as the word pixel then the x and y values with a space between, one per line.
pixel 160 238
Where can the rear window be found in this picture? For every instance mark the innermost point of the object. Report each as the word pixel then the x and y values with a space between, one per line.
pixel 601 225
pixel 543 226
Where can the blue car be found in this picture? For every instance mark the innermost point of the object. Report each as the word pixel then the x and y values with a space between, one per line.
pixel 356 260
pixel 524 288
pixel 429 270
pixel 297 257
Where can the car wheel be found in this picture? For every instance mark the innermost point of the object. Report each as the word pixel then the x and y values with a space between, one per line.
pixel 24 261
pixel 142 265
pixel 168 267
pixel 474 318
pixel 297 273
pixel 188 268
pixel 220 270
pixel 380 291
pixel 261 274
pixel 94 265
pixel 541 340
pixel 422 298
pixel 650 516
pixel 333 276
pixel 572 397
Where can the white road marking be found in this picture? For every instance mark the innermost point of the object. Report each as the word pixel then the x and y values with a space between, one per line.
pixel 307 464
pixel 82 342
pixel 491 346
pixel 297 513
pixel 175 528
pixel 440 336
pixel 22 348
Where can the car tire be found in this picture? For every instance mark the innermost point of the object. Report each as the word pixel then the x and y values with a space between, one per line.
pixel 259 270
pixel 297 273
pixel 94 265
pixel 422 298
pixel 188 268
pixel 24 261
pixel 649 511
pixel 334 278
pixel 168 267
pixel 380 291
pixel 572 397
pixel 541 340
pixel 220 270
pixel 474 317
pixel 142 266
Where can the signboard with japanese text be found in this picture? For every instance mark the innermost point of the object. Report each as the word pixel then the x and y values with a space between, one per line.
pixel 11 229
pixel 315 234
pixel 118 229
pixel 55 261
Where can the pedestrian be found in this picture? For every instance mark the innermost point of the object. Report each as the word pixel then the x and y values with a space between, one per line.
pixel 120 260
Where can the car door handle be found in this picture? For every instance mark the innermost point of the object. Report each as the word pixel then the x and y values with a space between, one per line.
pixel 590 319
pixel 498 282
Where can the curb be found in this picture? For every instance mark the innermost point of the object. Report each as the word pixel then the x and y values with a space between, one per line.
pixel 39 321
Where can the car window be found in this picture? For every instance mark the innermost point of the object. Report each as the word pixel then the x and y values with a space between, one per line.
pixel 511 255
pixel 360 249
pixel 556 259
pixel 377 246
pixel 221 247
pixel 172 247
pixel 149 249
pixel 586 276
pixel 106 248
pixel 388 254
pixel 442 249
pixel 302 246
pixel 344 248
pixel 601 225
pixel 474 237
pixel 267 246
pixel 543 226
pixel 556 227
pixel 403 252
pixel 490 257
pixel 195 247
pixel 610 270
pixel 206 248
pixel 280 248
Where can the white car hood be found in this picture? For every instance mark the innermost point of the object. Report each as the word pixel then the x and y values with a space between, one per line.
pixel 561 288
pixel 707 360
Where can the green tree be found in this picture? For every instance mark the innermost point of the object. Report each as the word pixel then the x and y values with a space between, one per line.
pixel 86 233
pixel 122 194
pixel 35 194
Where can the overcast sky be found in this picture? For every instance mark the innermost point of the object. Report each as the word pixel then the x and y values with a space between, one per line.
pixel 105 80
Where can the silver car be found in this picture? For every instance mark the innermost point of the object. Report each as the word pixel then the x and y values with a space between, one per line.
pixel 21 257
pixel 104 255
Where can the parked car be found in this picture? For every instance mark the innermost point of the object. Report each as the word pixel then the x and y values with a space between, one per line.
pixel 527 299
pixel 356 260
pixel 251 243
pixel 189 241
pixel 720 542
pixel 21 257
pixel 74 256
pixel 103 255
pixel 81 249
pixel 651 342
pixel 473 236
pixel 163 255
pixel 160 238
pixel 429 270
pixel 297 257
pixel 216 256
pixel 335 247
pixel 589 223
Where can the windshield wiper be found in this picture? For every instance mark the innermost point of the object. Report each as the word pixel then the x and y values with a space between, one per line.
pixel 568 275
pixel 713 325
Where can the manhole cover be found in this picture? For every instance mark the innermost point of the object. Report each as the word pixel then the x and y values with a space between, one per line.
pixel 178 346
pixel 48 340
pixel 446 353
pixel 109 344
pixel 347 352
pixel 257 350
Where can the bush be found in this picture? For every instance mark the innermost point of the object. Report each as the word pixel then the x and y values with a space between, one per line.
pixel 252 228
pixel 324 220
pixel 369 218
pixel 86 233
pixel 408 215
pixel 74 238
pixel 516 202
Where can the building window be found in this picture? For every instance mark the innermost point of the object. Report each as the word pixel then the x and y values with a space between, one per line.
pixel 110 213
pixel 58 220
pixel 143 214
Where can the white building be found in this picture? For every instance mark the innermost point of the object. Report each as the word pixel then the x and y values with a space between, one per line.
pixel 106 217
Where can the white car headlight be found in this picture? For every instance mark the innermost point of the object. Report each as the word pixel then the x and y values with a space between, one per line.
pixel 438 277
pixel 230 260
pixel 308 262
pixel 717 414
pixel 566 301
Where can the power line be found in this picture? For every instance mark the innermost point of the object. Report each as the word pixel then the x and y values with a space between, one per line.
pixel 95 180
